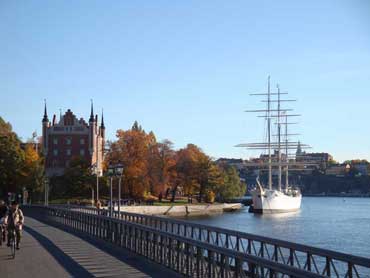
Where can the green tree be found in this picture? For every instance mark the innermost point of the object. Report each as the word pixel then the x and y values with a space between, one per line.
pixel 78 178
pixel 231 186
pixel 11 159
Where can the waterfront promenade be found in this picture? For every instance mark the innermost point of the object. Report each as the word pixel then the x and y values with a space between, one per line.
pixel 47 251
pixel 85 242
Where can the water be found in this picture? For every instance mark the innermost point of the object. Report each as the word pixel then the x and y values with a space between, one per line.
pixel 339 224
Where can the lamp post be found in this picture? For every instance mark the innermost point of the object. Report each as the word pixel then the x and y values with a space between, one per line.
pixel 95 169
pixel 119 172
pixel 111 174
pixel 46 188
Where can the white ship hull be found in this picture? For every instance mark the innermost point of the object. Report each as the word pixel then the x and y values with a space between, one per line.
pixel 274 201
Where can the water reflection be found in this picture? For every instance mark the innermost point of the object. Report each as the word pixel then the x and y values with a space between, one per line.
pixel 278 216
pixel 329 223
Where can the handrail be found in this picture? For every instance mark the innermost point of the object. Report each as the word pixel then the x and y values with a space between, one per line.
pixel 316 260
pixel 210 256
pixel 283 243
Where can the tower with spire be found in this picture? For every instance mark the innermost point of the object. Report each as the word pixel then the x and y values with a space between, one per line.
pixel 71 137
pixel 299 149
pixel 45 125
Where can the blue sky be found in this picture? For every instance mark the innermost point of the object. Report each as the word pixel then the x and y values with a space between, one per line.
pixel 184 68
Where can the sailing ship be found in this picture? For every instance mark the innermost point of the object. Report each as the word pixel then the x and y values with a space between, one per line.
pixel 275 199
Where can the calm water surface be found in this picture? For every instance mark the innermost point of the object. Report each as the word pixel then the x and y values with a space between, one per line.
pixel 340 224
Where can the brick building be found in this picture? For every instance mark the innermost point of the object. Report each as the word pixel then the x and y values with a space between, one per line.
pixel 71 137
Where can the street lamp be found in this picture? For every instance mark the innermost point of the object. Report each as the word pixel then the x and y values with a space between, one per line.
pixel 95 169
pixel 111 170
pixel 115 170
pixel 46 190
pixel 119 172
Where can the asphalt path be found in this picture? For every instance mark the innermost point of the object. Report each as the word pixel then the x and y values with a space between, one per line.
pixel 48 251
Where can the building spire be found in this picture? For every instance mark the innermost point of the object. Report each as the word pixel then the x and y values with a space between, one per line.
pixel 45 119
pixel 92 112
pixel 299 148
pixel 102 119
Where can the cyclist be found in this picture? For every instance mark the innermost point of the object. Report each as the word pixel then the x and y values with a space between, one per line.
pixel 3 213
pixel 14 220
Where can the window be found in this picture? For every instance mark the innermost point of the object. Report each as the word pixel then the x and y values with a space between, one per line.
pixel 55 141
pixel 82 141
pixel 82 152
pixel 68 151
pixel 55 152
pixel 67 163
pixel 68 141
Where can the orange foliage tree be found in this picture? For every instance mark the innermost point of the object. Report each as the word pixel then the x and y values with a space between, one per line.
pixel 154 168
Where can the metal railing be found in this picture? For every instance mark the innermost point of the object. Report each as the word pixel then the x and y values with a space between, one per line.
pixel 315 260
pixel 188 257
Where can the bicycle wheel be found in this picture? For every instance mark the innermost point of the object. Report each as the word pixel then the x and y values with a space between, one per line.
pixel 12 245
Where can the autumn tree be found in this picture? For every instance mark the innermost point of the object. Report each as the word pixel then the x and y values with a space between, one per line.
pixel 131 149
pixel 32 170
pixel 186 170
pixel 167 163
pixel 153 167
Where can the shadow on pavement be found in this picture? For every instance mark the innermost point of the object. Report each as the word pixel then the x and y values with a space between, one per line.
pixel 64 260
pixel 138 262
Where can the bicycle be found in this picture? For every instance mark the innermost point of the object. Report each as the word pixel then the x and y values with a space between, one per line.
pixel 12 241
pixel 2 231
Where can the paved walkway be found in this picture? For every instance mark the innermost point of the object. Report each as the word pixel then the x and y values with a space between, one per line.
pixel 47 251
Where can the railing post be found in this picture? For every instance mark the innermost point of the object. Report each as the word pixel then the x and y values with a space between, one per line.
pixel 327 266
pixel 350 272
pixel 262 255
pixel 291 256
pixel 187 259
pixel 308 261
pixel 179 259
pixel 223 266
pixel 199 258
pixel 239 268
pixel 210 263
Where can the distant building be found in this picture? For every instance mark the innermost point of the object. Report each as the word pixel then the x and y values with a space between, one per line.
pixel 321 160
pixel 362 168
pixel 339 170
pixel 36 146
pixel 71 137
pixel 237 163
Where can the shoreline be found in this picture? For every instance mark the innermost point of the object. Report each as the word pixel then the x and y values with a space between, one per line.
pixel 338 195
pixel 183 210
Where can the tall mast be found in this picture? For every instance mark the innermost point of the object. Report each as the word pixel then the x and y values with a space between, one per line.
pixel 269 132
pixel 286 154
pixel 279 139
pixel 281 114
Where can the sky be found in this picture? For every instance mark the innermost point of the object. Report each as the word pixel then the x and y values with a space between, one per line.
pixel 185 69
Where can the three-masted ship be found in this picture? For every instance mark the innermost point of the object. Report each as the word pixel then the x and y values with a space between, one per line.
pixel 276 198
